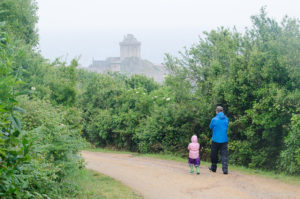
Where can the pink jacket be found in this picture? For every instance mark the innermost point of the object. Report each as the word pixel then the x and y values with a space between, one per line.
pixel 194 148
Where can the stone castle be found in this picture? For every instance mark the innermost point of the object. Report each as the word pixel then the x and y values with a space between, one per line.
pixel 129 62
pixel 129 48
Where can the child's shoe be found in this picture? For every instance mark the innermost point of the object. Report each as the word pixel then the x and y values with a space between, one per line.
pixel 192 168
pixel 198 170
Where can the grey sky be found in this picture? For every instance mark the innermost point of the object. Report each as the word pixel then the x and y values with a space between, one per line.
pixel 93 28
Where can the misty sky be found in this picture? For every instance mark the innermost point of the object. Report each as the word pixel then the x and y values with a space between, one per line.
pixel 94 28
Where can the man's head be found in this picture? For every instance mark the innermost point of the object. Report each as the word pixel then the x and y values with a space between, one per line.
pixel 219 109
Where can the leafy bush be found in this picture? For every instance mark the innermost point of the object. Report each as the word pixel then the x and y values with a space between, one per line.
pixel 290 156
pixel 38 152
pixel 14 149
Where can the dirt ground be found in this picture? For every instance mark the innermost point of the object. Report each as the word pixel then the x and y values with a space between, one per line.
pixel 164 179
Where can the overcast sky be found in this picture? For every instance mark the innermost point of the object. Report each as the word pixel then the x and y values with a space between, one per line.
pixel 94 28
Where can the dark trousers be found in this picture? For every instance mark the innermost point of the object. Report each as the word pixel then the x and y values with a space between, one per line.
pixel 215 147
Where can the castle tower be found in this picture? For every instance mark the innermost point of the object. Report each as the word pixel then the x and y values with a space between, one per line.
pixel 130 47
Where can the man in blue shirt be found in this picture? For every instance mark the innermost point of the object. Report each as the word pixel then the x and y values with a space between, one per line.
pixel 219 125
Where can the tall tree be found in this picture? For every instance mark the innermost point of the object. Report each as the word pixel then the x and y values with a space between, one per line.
pixel 20 19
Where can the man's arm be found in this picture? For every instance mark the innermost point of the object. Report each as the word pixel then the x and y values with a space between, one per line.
pixel 211 125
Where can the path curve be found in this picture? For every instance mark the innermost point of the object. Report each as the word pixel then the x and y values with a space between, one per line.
pixel 164 179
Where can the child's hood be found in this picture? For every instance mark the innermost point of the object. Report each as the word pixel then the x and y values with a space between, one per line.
pixel 194 139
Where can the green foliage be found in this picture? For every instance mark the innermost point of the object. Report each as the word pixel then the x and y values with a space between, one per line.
pixel 55 134
pixel 39 151
pixel 140 81
pixel 14 149
pixel 123 112
pixel 290 156
pixel 20 19
pixel 62 84
pixel 34 163
pixel 113 107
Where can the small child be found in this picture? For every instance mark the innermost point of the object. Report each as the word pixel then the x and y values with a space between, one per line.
pixel 194 158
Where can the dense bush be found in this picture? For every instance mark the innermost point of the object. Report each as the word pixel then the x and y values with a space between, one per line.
pixel 39 143
pixel 290 156
pixel 113 106
pixel 14 149
pixel 20 18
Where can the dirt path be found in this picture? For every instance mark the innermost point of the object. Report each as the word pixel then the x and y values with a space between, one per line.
pixel 163 179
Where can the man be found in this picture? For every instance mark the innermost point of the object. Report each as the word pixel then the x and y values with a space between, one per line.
pixel 219 125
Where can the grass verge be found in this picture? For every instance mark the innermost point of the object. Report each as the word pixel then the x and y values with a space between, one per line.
pixel 94 185
pixel 295 180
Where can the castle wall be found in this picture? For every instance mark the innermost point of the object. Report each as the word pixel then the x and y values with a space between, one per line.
pixel 130 51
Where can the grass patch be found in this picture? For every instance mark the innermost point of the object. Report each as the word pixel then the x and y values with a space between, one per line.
pixel 110 150
pixel 295 180
pixel 94 185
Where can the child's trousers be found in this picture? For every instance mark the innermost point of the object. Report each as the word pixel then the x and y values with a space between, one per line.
pixel 195 162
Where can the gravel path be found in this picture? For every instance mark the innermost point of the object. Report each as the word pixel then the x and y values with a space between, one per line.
pixel 164 179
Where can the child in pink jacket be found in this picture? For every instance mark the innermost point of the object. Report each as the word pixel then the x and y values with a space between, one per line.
pixel 194 158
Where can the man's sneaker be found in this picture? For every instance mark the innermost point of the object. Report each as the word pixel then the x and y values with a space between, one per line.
pixel 225 172
pixel 210 168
